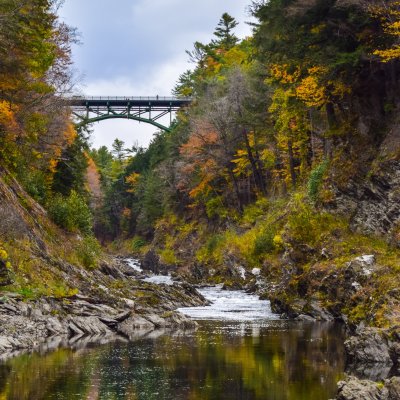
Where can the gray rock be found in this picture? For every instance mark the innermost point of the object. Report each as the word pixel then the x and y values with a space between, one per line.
pixel 370 345
pixel 318 312
pixel 356 389
pixel 374 203
pixel 393 388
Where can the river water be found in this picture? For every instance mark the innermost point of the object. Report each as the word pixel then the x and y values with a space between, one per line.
pixel 241 350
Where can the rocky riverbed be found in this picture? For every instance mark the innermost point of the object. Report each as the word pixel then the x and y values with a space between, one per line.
pixel 129 301
pixel 25 324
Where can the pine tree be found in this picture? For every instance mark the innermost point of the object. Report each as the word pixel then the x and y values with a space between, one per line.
pixel 223 31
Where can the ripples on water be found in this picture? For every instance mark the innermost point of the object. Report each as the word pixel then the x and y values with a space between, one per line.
pixel 240 351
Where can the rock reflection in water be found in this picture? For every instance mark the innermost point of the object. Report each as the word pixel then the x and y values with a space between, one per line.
pixel 272 360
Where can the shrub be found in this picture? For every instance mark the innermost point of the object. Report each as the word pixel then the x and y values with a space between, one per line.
pixel 215 208
pixel 264 242
pixel 278 242
pixel 88 251
pixel 36 184
pixel 302 223
pixel 253 211
pixel 71 213
pixel 137 243
pixel 315 180
pixel 168 257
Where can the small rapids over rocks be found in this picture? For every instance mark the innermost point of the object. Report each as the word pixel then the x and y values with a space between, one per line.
pixel 230 305
pixel 156 279
pixel 235 305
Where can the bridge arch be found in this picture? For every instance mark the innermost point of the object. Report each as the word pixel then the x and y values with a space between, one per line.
pixel 143 109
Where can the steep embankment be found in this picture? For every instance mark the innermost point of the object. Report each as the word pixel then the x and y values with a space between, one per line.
pixel 46 292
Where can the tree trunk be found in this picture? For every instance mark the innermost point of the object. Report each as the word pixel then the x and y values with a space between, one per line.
pixel 291 163
pixel 237 191
pixel 332 124
pixel 256 172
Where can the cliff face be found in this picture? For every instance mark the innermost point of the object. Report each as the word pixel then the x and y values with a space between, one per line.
pixel 372 199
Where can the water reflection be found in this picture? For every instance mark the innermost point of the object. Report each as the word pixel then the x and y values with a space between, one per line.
pixel 274 360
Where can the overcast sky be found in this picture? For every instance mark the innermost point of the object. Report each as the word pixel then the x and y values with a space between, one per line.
pixel 137 48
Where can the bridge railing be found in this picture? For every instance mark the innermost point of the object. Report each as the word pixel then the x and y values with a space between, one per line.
pixel 125 98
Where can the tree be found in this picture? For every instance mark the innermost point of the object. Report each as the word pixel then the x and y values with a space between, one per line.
pixel 225 38
pixel 388 14
pixel 118 149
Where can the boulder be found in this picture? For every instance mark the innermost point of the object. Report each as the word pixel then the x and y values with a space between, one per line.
pixel 369 345
pixel 355 389
pixel 393 388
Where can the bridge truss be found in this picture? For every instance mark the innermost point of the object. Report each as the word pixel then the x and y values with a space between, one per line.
pixel 143 109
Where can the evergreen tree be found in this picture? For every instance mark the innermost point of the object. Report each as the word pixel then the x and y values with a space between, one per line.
pixel 226 39
pixel 118 149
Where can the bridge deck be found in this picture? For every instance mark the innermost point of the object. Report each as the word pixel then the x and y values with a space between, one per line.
pixel 156 102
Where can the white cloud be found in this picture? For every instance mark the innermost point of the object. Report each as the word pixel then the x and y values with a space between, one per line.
pixel 137 48
pixel 158 81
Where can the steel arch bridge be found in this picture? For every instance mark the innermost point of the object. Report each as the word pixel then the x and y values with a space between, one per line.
pixel 142 109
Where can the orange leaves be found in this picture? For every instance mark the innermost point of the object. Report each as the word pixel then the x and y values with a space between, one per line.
pixel 198 143
pixel 199 166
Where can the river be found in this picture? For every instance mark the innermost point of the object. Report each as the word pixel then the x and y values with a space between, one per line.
pixel 241 350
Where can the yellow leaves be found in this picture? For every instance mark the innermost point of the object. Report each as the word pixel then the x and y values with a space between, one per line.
pixel 7 117
pixel 388 15
pixel 3 254
pixel 317 29
pixel 132 180
pixel 70 134
pixel 282 74
pixel 235 56
pixel 213 67
pixel 53 165
pixel 394 28
pixel 242 163
pixel 388 54
pixel 278 242
pixel 207 174
pixel 268 158
pixel 310 92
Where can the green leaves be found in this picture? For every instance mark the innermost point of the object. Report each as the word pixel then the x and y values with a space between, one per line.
pixel 71 213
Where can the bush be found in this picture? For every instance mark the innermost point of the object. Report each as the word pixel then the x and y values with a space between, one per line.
pixel 36 184
pixel 168 257
pixel 264 242
pixel 215 208
pixel 253 211
pixel 137 243
pixel 88 251
pixel 315 180
pixel 71 213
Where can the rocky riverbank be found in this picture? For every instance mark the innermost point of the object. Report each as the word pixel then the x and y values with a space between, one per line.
pixel 26 324
pixel 355 293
